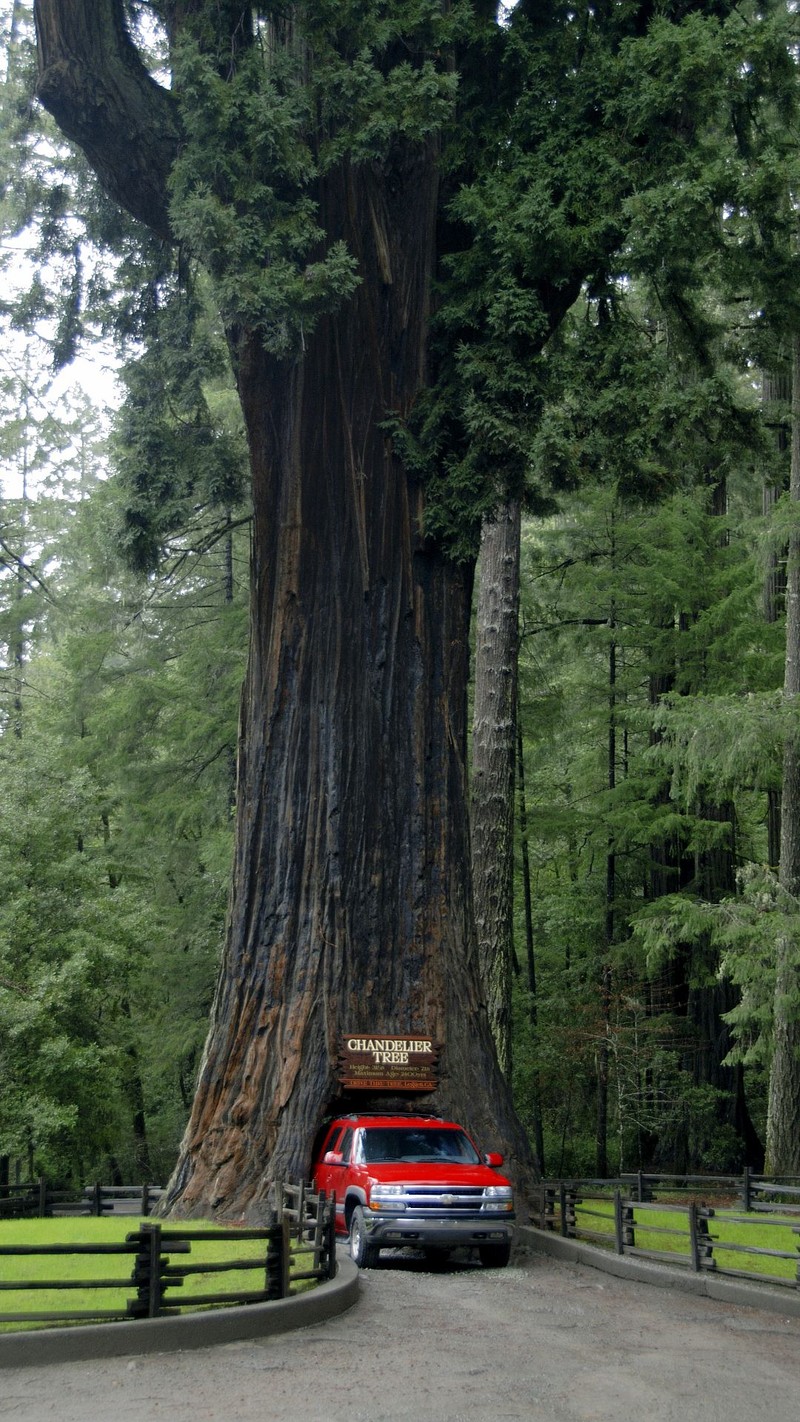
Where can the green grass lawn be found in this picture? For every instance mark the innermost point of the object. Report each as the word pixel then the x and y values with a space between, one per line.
pixel 727 1226
pixel 16 1268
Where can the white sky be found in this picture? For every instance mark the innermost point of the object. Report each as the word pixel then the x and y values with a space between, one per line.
pixel 27 359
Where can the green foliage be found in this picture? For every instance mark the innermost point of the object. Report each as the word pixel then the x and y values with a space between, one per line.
pixel 606 151
pixel 117 754
pixel 615 247
pixel 729 741
pixel 240 197
pixel 627 401
pixel 60 951
pixel 747 930
pixel 175 455
pixel 115 838
pixel 264 127
pixel 644 654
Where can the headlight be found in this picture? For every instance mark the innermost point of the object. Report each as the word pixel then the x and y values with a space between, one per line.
pixel 498 1197
pixel 387 1197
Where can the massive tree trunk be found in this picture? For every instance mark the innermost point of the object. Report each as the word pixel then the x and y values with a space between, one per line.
pixel 351 908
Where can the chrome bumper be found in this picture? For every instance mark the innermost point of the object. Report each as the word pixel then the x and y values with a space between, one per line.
pixel 394 1231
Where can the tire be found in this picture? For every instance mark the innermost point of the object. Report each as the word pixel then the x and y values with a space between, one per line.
pixel 494 1256
pixel 361 1252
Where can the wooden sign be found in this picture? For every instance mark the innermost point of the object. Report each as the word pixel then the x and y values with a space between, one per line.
pixel 380 1063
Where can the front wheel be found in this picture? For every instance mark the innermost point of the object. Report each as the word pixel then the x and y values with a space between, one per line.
pixel 494 1256
pixel 362 1252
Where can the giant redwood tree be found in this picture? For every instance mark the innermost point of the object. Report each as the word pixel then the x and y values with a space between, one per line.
pixel 395 204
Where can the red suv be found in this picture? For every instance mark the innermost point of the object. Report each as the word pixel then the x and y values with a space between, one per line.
pixel 414 1180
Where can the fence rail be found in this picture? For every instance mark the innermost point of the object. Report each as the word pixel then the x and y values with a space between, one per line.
pixel 37 1199
pixel 602 1213
pixel 304 1228
pixel 753 1191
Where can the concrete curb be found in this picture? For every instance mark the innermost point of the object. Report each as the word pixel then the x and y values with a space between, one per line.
pixel 774 1299
pixel 190 1330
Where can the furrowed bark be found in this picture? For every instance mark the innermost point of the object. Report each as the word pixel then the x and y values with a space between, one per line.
pixel 351 909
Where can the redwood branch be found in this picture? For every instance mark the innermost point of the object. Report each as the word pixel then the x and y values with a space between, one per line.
pixel 102 96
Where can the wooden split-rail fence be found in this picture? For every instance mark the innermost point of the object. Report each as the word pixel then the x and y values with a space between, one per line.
pixel 299 1247
pixel 38 1199
pixel 753 1191
pixel 617 1219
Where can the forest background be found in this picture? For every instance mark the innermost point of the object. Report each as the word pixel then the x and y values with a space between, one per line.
pixel 654 935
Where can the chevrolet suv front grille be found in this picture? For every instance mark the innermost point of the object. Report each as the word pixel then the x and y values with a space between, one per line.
pixel 432 1199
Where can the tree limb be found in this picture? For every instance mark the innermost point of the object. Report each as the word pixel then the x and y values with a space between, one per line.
pixel 567 622
pixel 15 562
pixel 11 986
pixel 93 82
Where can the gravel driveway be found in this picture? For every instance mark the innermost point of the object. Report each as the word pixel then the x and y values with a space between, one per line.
pixel 540 1340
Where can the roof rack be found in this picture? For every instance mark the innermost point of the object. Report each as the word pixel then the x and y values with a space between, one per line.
pixel 387 1111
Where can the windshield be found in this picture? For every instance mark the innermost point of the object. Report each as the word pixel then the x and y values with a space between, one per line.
pixel 417 1143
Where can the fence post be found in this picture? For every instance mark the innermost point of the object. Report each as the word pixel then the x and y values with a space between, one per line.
pixel 324 1235
pixel 694 1252
pixel 628 1225
pixel 277 1280
pixel 746 1190
pixel 147 1273
pixel 42 1198
pixel 573 1201
pixel 97 1199
pixel 548 1208
pixel 145 1200
pixel 618 1235
pixel 319 1219
pixel 330 1232
pixel 562 1201
pixel 705 1243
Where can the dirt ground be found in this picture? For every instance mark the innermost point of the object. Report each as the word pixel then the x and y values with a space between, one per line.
pixel 540 1340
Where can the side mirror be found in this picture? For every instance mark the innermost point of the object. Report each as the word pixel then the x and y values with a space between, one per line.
pixel 332 1157
pixel 494 1159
